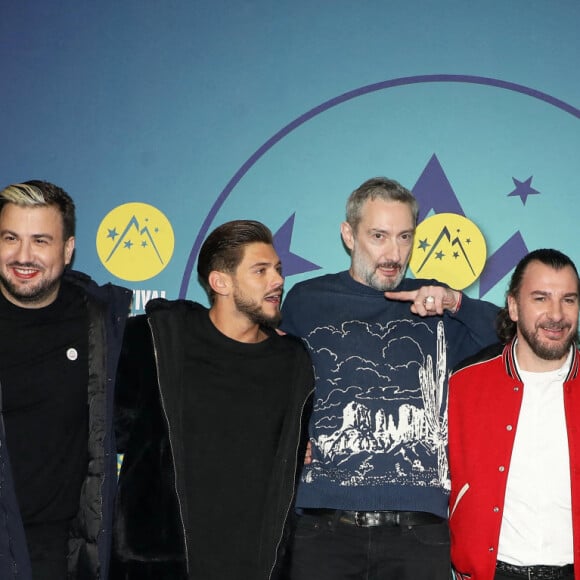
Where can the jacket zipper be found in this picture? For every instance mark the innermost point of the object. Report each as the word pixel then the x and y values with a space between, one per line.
pixel 293 492
pixel 170 445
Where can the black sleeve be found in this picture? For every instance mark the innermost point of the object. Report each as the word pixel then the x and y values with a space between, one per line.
pixel 136 378
pixel 148 540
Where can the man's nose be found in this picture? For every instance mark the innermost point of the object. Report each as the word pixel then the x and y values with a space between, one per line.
pixel 393 251
pixel 277 279
pixel 24 252
pixel 556 312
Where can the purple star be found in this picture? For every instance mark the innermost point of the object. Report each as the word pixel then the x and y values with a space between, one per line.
pixel 523 189
pixel 291 263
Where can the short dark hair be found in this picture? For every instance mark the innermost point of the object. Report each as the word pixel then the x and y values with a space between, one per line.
pixel 223 249
pixel 382 188
pixel 36 193
pixel 505 326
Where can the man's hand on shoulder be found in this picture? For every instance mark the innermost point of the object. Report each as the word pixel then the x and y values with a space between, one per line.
pixel 429 300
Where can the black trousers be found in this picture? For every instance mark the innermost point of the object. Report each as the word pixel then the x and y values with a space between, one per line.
pixel 325 549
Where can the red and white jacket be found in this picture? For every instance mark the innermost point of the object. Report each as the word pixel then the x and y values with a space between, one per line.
pixel 485 397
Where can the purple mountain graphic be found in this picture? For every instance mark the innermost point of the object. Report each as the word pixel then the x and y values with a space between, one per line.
pixel 503 262
pixel 434 192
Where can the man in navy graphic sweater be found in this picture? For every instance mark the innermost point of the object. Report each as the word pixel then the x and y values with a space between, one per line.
pixel 373 495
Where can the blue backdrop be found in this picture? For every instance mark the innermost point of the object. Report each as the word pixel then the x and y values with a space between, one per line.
pixel 209 111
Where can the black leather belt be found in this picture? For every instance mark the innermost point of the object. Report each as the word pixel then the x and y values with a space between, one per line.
pixel 536 572
pixel 373 519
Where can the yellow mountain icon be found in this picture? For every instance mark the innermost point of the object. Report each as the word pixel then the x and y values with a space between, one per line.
pixel 450 248
pixel 135 241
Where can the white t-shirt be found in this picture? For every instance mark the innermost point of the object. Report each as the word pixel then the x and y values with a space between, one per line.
pixel 537 519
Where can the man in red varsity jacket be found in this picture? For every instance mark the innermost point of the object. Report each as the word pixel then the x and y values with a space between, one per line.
pixel 514 434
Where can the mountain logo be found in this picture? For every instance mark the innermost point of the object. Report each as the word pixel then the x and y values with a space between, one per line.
pixel 135 241
pixel 450 248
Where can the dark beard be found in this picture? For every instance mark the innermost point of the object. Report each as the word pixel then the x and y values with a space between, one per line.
pixel 255 313
pixel 36 294
pixel 547 352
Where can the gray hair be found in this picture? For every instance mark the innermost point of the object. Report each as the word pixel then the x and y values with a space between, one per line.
pixel 381 188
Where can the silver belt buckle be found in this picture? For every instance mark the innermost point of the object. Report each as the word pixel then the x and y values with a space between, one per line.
pixel 366 519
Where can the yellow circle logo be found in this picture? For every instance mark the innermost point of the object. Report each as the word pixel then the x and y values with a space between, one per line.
pixel 450 248
pixel 135 241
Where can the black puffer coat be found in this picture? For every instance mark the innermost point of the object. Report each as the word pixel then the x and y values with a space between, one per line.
pixel 90 542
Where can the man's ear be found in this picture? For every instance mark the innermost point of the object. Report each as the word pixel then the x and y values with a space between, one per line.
pixel 69 248
pixel 220 282
pixel 512 308
pixel 347 235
